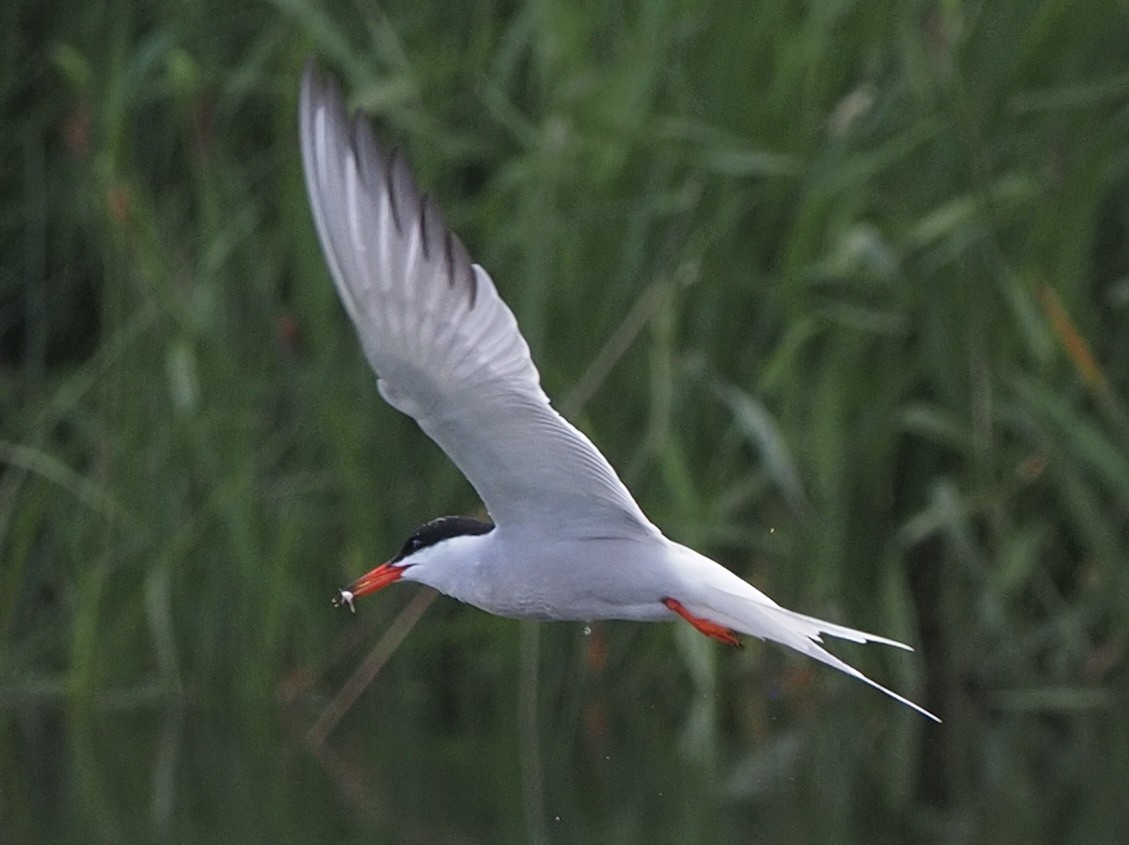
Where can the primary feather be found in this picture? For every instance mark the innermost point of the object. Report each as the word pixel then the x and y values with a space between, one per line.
pixel 446 348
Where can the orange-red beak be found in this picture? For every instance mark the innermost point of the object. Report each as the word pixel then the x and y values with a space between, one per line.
pixel 370 582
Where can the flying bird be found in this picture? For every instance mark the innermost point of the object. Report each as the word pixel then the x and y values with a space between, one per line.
pixel 566 540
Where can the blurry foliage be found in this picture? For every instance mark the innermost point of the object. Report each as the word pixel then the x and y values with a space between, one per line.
pixel 844 291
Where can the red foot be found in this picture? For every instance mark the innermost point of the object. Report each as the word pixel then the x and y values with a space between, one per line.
pixel 710 629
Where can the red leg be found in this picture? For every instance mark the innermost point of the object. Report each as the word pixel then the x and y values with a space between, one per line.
pixel 710 629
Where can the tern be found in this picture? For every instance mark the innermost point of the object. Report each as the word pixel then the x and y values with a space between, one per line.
pixel 566 540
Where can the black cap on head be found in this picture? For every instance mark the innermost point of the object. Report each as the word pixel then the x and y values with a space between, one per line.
pixel 443 528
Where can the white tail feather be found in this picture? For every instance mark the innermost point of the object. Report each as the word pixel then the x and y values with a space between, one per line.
pixel 808 643
pixel 751 612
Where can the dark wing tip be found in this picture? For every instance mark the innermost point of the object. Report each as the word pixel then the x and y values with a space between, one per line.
pixel 318 93
pixel 316 88
pixel 311 73
pixel 373 162
pixel 462 272
pixel 386 171
pixel 405 196
pixel 442 245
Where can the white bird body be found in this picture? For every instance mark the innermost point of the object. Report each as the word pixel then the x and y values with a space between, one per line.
pixel 568 541
pixel 633 587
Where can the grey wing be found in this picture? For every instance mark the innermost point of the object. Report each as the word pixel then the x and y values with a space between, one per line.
pixel 446 348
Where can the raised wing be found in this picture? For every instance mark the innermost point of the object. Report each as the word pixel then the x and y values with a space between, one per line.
pixel 446 348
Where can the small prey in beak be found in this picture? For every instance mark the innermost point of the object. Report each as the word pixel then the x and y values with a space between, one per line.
pixel 370 582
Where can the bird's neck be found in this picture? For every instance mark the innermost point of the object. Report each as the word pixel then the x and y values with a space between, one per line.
pixel 453 567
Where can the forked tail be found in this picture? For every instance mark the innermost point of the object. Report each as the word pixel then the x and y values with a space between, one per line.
pixel 803 634
pixel 757 615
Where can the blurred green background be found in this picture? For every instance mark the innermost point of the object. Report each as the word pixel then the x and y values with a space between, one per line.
pixel 842 289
